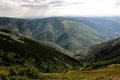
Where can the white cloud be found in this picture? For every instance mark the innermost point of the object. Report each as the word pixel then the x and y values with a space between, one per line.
pixel 118 3
pixel 7 5
pixel 20 8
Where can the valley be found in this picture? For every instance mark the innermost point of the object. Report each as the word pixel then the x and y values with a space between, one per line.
pixel 59 48
pixel 71 33
pixel 59 39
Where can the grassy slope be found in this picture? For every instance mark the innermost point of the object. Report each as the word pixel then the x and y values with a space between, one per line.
pixel 110 72
pixel 44 57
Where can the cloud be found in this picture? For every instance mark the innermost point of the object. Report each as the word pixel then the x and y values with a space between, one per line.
pixel 33 1
pixel 39 1
pixel 59 7
pixel 7 5
pixel 38 4
pixel 57 3
pixel 117 3
pixel 35 6
pixel 26 0
pixel 63 3
pixel 78 3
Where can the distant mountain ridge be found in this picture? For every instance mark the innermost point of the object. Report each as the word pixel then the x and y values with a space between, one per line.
pixel 108 26
pixel 70 33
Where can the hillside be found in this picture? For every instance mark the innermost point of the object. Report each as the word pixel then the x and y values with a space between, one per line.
pixel 107 26
pixel 20 53
pixel 117 19
pixel 109 72
pixel 67 33
pixel 101 54
pixel 71 33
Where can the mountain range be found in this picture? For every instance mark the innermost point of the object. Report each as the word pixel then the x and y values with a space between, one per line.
pixel 30 48
pixel 71 33
pixel 27 59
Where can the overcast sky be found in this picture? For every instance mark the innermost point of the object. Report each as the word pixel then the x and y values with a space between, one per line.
pixel 31 8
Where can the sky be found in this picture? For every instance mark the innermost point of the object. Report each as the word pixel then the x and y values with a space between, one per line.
pixel 34 8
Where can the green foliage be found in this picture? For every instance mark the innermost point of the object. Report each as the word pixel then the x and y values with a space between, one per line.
pixel 4 77
pixel 101 54
pixel 109 72
pixel 29 71
pixel 33 53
